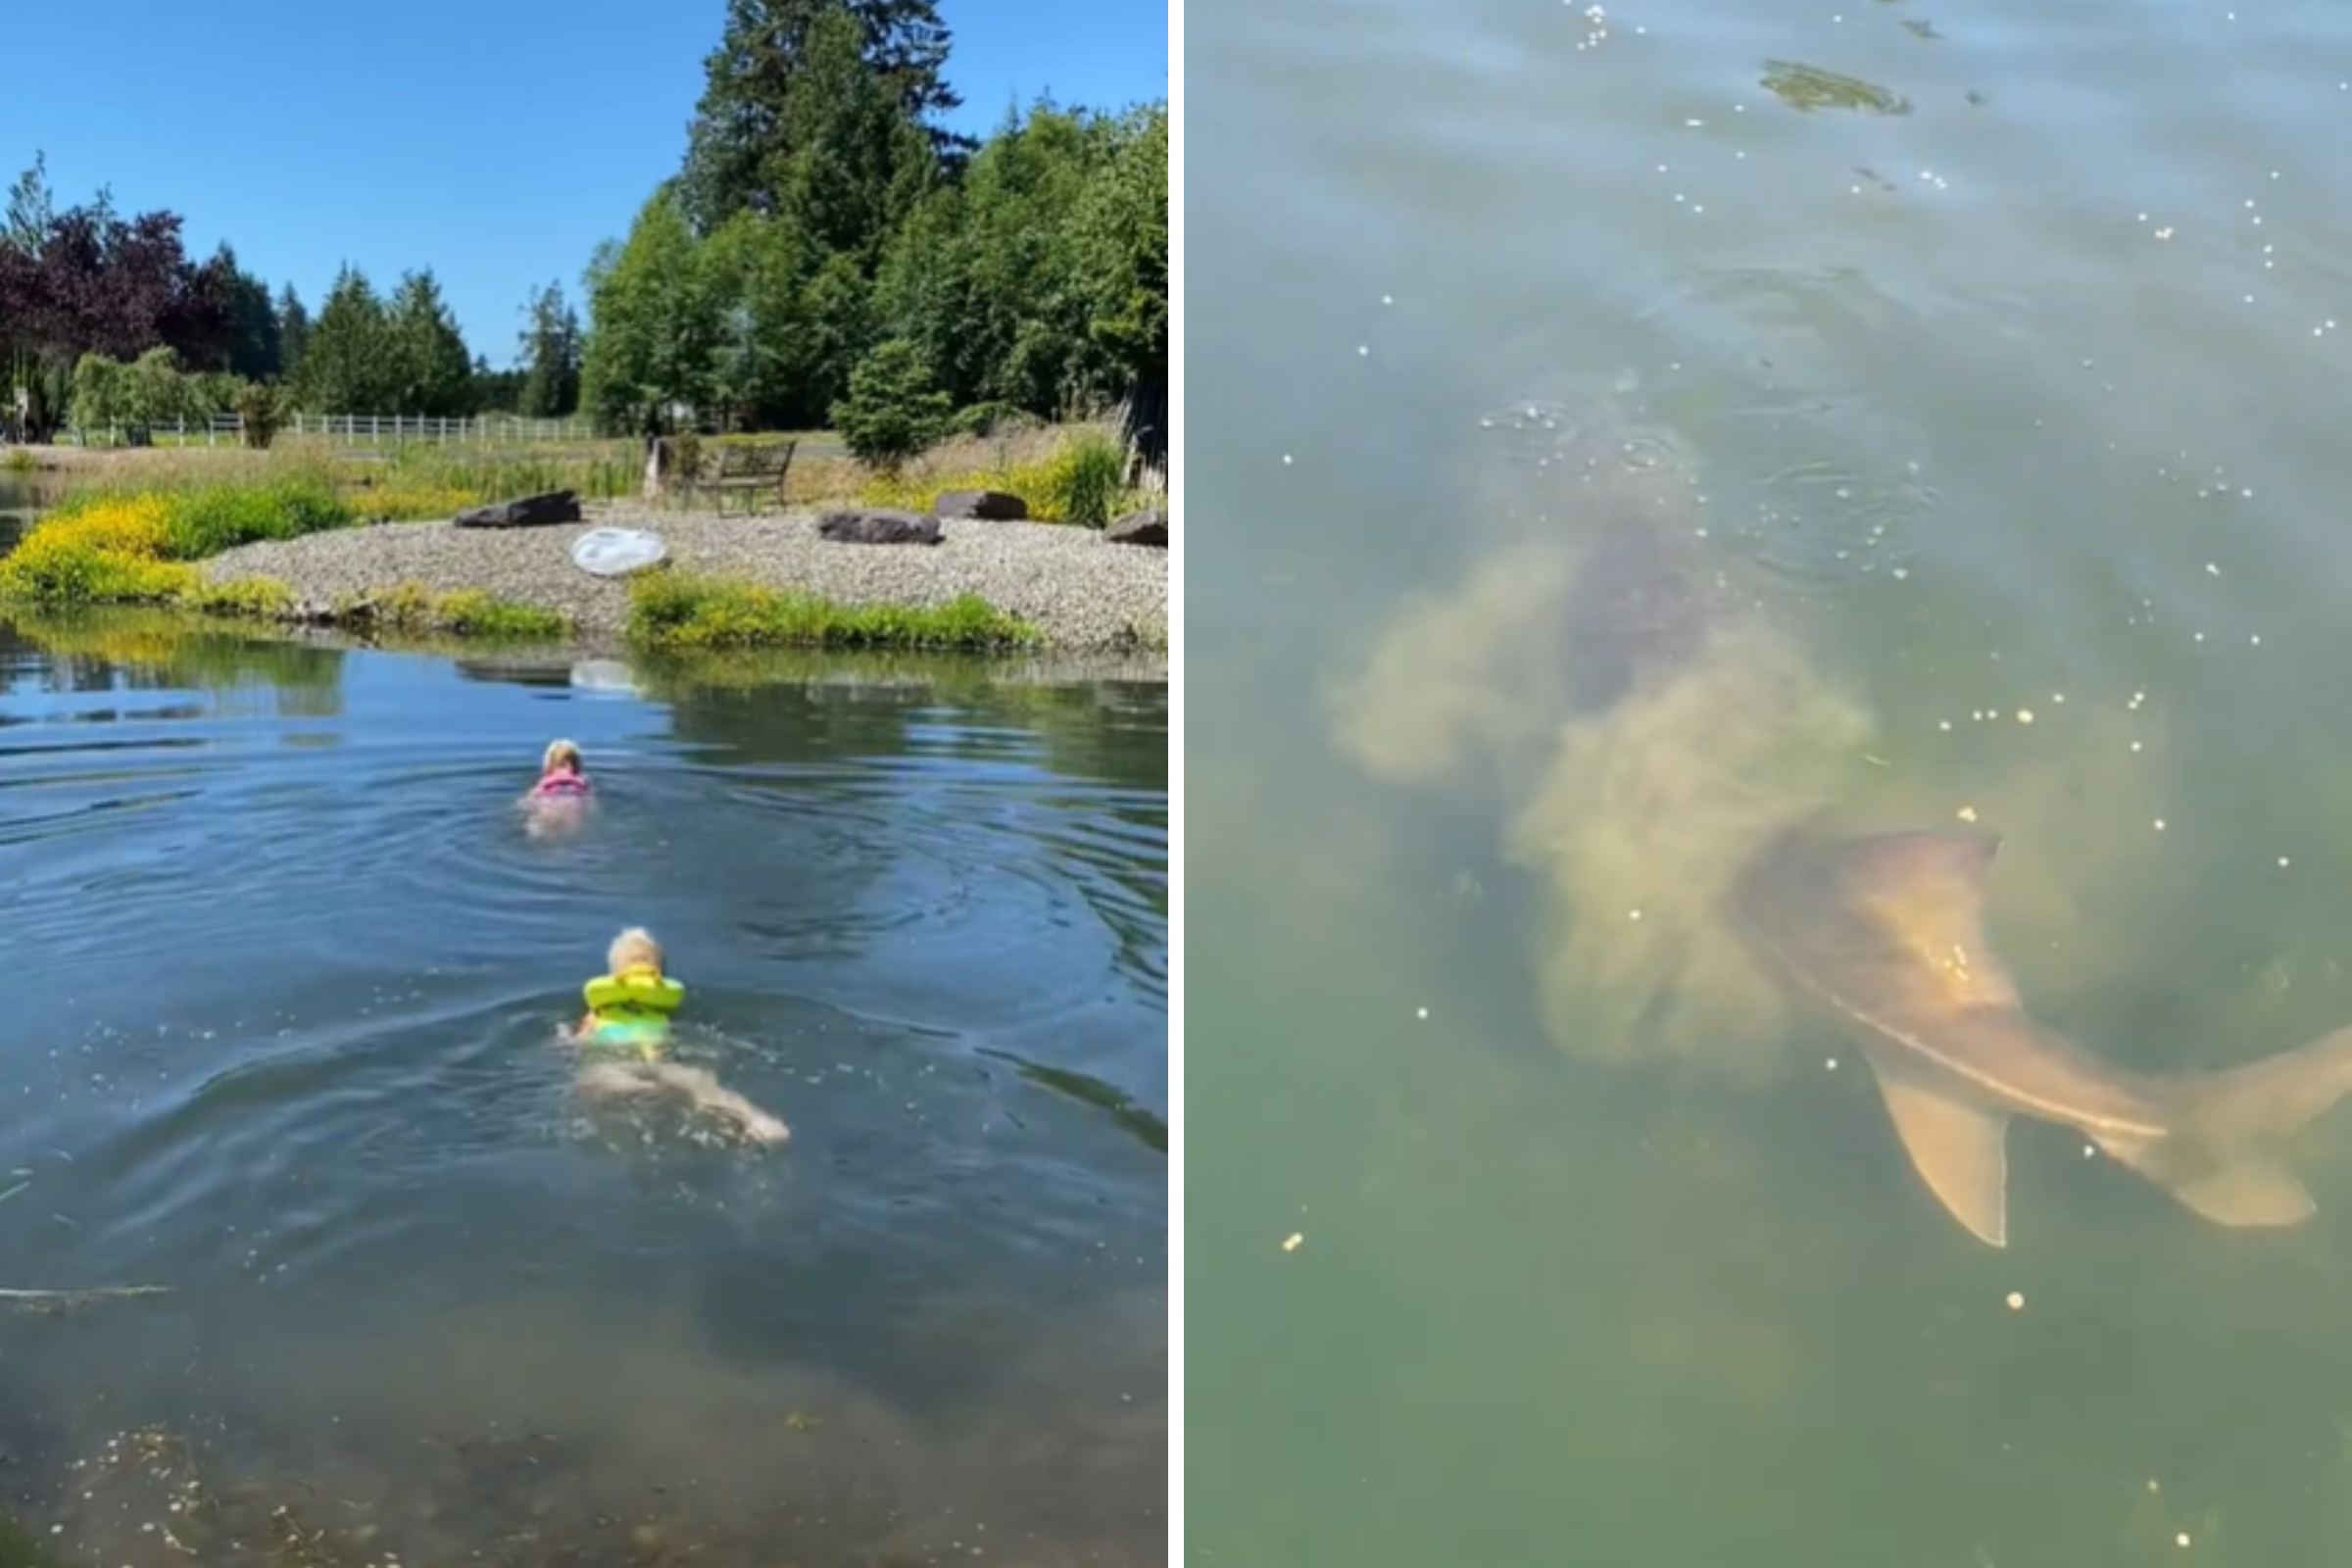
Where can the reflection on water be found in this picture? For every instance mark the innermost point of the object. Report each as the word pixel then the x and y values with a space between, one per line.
pixel 1987 377
pixel 291 1055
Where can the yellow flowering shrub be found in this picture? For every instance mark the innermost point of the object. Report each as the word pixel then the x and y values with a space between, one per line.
pixel 107 550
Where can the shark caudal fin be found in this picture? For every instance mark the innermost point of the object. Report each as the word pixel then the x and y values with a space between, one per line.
pixel 2225 1159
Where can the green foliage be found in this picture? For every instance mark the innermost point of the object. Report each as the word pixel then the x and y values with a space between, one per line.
pixel 262 408
pixel 426 367
pixel 551 353
pixel 1087 480
pixel 257 341
pixel 369 355
pixel 1080 481
pixel 204 522
pixel 775 59
pixel 656 320
pixel 669 612
pixel 251 598
pixel 471 614
pixel 891 412
pixel 151 390
pixel 293 331
pixel 343 370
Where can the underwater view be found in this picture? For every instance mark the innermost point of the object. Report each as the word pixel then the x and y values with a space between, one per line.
pixel 1769 800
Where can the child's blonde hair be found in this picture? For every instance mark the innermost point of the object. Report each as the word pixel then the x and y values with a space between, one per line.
pixel 560 753
pixel 633 948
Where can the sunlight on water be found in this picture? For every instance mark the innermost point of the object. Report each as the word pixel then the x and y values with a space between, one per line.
pixel 1628 435
pixel 289 1051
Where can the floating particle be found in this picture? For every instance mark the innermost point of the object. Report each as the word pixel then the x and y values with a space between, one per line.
pixel 1362 349
pixel 2255 638
pixel 1944 724
pixel 1295 1241
pixel 2159 825
pixel 1831 1064
pixel 1967 813
pixel 1388 298
pixel 2283 863
pixel 2212 570
pixel 2181 1539
pixel 1286 459
pixel 2017 1301
pixel 2136 746
pixel 1420 1012
pixel 2025 715
pixel 1633 914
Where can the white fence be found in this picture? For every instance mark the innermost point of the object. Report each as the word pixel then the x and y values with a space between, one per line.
pixel 354 429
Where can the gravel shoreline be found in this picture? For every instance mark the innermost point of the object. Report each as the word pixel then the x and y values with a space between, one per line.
pixel 1079 589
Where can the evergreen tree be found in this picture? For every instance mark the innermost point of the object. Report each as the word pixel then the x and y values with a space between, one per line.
pixel 746 129
pixel 293 330
pixel 657 321
pixel 345 367
pixel 551 356
pixel 430 369
pixel 256 347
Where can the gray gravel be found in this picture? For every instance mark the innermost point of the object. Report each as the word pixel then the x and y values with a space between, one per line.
pixel 1079 590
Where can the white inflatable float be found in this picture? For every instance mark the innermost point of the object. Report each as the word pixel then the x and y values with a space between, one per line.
pixel 617 552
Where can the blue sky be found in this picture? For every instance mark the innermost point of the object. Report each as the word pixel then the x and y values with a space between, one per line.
pixel 495 141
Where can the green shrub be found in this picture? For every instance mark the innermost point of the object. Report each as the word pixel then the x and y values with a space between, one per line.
pixel 262 408
pixel 205 521
pixel 891 412
pixel 670 612
pixel 1085 482
pixel 256 598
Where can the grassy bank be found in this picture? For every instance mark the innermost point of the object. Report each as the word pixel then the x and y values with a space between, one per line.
pixel 669 613
pixel 101 547
pixel 133 532
pixel 1066 473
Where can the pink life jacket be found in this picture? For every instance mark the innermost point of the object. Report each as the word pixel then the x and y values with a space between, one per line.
pixel 559 785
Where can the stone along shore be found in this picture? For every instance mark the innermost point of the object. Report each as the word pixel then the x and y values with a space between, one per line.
pixel 1081 590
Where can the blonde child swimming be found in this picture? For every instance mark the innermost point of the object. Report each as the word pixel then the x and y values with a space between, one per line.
pixel 561 775
pixel 558 804
pixel 624 1037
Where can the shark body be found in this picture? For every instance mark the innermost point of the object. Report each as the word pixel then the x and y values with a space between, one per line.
pixel 1887 934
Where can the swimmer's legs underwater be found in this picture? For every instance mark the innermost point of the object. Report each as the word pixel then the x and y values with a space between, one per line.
pixel 697 1086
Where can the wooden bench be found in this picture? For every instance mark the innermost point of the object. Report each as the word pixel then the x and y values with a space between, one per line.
pixel 753 469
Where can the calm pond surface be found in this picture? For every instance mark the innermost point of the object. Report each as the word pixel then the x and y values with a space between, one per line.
pixel 1997 362
pixel 289 974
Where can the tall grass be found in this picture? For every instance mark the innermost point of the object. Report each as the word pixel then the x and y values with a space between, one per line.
pixel 1066 473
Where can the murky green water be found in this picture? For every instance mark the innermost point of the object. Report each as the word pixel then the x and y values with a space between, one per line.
pixel 1996 362
pixel 289 969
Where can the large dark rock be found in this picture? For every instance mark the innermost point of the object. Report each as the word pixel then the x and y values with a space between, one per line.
pixel 990 506
pixel 1149 526
pixel 525 511
pixel 878 526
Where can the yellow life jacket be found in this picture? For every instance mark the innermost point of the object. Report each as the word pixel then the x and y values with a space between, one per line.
pixel 638 992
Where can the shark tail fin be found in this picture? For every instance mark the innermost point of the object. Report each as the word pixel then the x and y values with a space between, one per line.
pixel 2229 1165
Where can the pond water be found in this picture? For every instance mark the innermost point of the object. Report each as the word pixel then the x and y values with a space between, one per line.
pixel 290 971
pixel 1988 365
